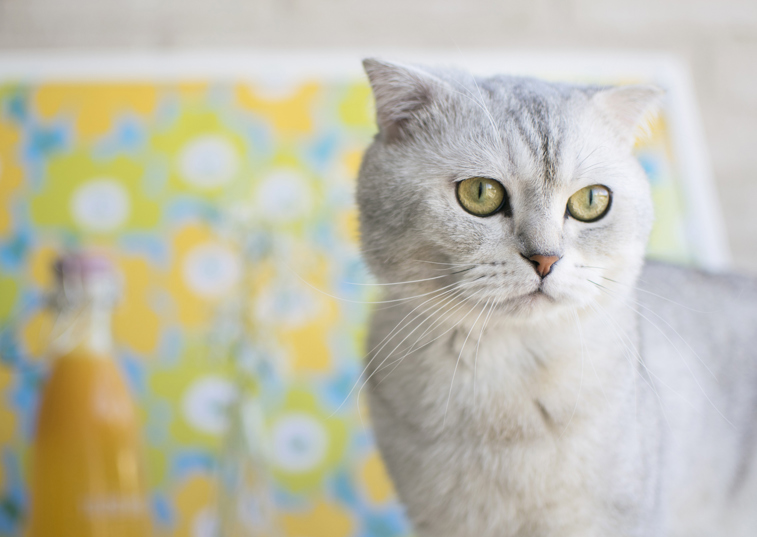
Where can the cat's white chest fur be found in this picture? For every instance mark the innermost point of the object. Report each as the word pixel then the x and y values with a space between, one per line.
pixel 516 454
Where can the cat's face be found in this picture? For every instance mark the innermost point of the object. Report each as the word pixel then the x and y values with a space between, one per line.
pixel 505 191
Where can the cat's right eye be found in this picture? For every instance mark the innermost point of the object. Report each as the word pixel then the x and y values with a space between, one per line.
pixel 481 196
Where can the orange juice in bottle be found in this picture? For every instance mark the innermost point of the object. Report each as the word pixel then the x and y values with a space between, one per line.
pixel 87 474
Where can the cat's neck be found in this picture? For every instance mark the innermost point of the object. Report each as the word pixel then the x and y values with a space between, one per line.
pixel 551 372
pixel 524 347
pixel 512 379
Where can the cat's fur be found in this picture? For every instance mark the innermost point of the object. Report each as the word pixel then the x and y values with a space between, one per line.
pixel 591 409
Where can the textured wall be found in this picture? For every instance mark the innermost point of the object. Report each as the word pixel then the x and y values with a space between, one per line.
pixel 718 39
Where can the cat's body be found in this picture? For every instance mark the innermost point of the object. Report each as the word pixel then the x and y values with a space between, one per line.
pixel 507 403
pixel 527 456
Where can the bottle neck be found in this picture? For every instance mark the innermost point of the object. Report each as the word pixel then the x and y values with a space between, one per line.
pixel 84 320
pixel 98 332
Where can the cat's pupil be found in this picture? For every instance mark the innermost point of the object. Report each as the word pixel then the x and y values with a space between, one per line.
pixel 480 189
pixel 591 196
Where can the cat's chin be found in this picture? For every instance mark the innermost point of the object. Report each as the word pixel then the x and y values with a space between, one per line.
pixel 536 305
pixel 535 297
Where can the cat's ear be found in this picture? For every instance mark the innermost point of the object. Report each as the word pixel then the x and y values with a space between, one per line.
pixel 399 91
pixel 628 107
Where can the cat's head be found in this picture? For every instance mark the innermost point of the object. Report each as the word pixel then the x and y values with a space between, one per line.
pixel 505 189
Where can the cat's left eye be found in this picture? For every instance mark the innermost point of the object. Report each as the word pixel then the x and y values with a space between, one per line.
pixel 590 203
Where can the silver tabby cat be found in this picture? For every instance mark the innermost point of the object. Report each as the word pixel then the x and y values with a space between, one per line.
pixel 530 375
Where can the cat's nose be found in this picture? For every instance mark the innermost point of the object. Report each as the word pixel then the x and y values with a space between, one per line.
pixel 543 263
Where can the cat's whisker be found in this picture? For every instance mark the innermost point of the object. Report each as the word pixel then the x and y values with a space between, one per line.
pixel 475 360
pixel 650 310
pixel 482 104
pixel 637 288
pixel 499 137
pixel 637 356
pixel 581 381
pixel 675 347
pixel 413 348
pixel 457 362
pixel 393 333
pixel 583 350
pixel 578 398
pixel 404 299
pixel 449 294
pixel 436 323
pixel 411 281
pixel 387 357
pixel 450 264
pixel 578 166
pixel 597 167
pixel 631 356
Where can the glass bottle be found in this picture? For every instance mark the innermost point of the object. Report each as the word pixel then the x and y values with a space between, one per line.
pixel 87 474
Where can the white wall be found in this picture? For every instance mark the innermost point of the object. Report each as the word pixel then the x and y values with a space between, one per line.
pixel 717 37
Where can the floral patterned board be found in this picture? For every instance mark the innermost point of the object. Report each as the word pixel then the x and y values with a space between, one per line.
pixel 227 207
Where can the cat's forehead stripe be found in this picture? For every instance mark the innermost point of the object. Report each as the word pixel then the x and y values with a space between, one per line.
pixel 531 118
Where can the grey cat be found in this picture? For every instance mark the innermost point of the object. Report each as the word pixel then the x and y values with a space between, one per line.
pixel 529 374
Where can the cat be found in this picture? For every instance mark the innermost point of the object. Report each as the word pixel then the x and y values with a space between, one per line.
pixel 529 374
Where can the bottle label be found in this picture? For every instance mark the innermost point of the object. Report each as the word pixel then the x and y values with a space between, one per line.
pixel 113 506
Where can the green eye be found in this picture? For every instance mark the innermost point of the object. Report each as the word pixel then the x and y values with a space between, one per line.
pixel 481 196
pixel 590 204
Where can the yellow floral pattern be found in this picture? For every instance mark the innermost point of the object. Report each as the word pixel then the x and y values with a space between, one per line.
pixel 227 208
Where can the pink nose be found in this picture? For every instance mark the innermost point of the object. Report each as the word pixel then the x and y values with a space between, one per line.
pixel 543 263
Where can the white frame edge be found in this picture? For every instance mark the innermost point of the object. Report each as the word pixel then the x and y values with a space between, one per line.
pixel 705 216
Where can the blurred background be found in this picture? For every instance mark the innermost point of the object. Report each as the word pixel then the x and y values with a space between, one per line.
pixel 210 150
pixel 718 39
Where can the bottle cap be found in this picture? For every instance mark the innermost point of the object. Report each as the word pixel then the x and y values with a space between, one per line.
pixel 82 265
pixel 85 276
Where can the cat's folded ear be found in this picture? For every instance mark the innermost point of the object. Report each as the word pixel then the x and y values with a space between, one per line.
pixel 629 108
pixel 400 91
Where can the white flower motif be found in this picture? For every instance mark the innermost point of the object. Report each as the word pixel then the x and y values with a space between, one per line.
pixel 211 270
pixel 205 524
pixel 100 205
pixel 208 162
pixel 300 442
pixel 283 196
pixel 206 404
